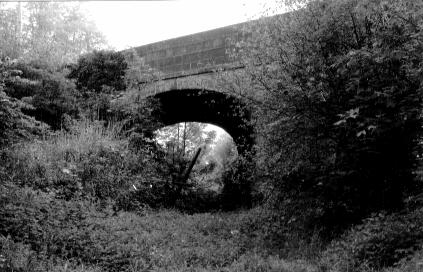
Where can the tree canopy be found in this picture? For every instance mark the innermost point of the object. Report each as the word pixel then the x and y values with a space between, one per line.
pixel 51 32
pixel 98 70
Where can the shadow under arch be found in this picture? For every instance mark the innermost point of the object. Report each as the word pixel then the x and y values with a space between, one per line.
pixel 205 106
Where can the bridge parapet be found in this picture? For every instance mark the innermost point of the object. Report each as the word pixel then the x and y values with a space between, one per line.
pixel 191 54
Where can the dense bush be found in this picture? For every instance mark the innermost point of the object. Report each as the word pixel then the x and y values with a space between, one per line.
pixel 49 226
pixel 14 124
pixel 50 94
pixel 41 233
pixel 98 77
pixel 199 200
pixel 54 100
pixel 138 115
pixel 381 241
pixel 89 160
pixel 237 182
pixel 337 89
pixel 410 264
pixel 95 70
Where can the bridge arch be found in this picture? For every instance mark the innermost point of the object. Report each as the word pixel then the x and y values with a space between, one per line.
pixel 207 106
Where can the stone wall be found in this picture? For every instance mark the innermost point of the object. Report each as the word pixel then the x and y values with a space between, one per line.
pixel 190 54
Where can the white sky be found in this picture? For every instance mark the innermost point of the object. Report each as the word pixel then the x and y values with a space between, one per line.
pixel 133 23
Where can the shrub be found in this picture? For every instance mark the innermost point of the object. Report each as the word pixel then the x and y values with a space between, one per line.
pixel 47 225
pixel 15 256
pixel 42 164
pixel 237 182
pixel 55 98
pixel 199 200
pixel 14 123
pixel 381 241
pixel 49 93
pixel 100 68
pixel 91 160
pixel 42 232
pixel 252 262
pixel 276 233
pixel 413 264
pixel 337 92
pixel 39 232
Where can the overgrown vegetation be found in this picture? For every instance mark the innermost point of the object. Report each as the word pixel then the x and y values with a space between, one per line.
pixel 332 184
pixel 337 87
pixel 14 124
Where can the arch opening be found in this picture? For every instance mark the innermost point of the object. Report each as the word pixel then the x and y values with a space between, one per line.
pixel 211 107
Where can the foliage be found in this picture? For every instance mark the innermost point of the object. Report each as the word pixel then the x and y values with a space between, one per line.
pixel 180 143
pixel 95 70
pixel 52 97
pixel 138 115
pixel 183 139
pixel 238 179
pixel 27 82
pixel 337 90
pixel 381 241
pixel 98 77
pixel 50 32
pixel 223 151
pixel 47 225
pixel 412 264
pixel 14 124
pixel 89 160
pixel 41 233
pixel 54 100
pixel 162 241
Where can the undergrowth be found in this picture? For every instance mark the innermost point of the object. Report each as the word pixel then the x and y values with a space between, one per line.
pixel 90 160
pixel 41 233
pixel 80 201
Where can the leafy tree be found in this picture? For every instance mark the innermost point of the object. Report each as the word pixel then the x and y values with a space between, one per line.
pixel 9 32
pixel 181 143
pixel 14 124
pixel 220 157
pixel 223 151
pixel 337 90
pixel 96 70
pixel 44 36
pixel 98 76
pixel 183 139
pixel 51 32
pixel 56 99
pixel 50 94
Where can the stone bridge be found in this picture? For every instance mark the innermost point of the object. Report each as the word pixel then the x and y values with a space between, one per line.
pixel 189 61
pixel 186 81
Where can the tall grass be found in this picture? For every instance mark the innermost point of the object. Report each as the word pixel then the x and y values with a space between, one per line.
pixel 84 137
pixel 66 160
